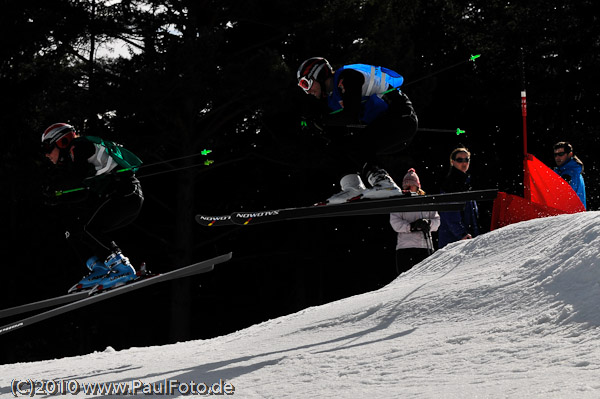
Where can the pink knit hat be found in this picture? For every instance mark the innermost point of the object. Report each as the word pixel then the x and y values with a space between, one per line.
pixel 410 179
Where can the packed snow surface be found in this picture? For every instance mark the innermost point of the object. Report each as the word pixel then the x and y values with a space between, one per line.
pixel 512 313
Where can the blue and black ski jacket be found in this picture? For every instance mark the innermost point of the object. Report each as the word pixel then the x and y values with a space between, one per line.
pixel 377 81
pixel 571 172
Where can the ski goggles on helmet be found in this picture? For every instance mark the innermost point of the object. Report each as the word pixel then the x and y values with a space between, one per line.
pixel 305 83
pixel 62 143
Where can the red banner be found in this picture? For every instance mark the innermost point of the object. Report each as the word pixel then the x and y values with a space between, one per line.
pixel 550 196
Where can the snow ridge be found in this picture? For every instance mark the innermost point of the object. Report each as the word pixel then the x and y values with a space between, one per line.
pixel 512 313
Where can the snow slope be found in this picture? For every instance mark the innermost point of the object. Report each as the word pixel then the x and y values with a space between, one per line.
pixel 512 313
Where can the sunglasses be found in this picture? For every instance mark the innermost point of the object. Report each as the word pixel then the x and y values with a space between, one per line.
pixel 461 160
pixel 305 84
pixel 560 154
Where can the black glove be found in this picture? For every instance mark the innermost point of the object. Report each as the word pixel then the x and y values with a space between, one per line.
pixel 49 196
pixel 421 225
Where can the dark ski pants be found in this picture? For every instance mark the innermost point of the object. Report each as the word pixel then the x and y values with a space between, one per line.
pixel 92 232
pixel 393 131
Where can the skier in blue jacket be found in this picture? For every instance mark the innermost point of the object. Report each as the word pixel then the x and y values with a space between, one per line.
pixel 570 168
pixel 375 118
pixel 458 225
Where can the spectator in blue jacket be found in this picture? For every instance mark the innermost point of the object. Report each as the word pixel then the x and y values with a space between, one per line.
pixel 570 168
pixel 458 225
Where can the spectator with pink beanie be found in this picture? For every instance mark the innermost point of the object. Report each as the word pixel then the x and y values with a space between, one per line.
pixel 414 228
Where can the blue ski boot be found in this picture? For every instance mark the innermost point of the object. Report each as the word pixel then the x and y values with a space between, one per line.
pixel 119 272
pixel 97 272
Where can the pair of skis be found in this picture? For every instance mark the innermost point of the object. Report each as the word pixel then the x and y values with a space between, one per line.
pixel 399 203
pixel 78 300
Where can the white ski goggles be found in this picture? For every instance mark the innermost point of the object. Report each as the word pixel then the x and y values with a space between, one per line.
pixel 305 83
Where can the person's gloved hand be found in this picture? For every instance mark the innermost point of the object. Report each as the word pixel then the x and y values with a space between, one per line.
pixel 421 225
pixel 49 196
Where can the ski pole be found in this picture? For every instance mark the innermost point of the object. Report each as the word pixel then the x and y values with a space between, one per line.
pixel 205 152
pixel 58 193
pixel 208 162
pixel 458 131
pixel 429 242
pixel 472 58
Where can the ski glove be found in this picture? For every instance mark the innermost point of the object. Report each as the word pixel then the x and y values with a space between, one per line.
pixel 421 225
pixel 49 196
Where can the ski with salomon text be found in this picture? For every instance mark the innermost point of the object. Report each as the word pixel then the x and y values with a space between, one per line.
pixel 397 203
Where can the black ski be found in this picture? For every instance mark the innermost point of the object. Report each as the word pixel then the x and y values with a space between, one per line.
pixel 45 303
pixel 252 218
pixel 58 300
pixel 214 221
pixel 196 268
pixel 400 203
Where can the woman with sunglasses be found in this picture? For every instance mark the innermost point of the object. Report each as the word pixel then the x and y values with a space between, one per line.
pixel 458 225
pixel 98 200
pixel 364 115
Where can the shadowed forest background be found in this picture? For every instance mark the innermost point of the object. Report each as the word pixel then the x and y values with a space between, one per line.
pixel 168 79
